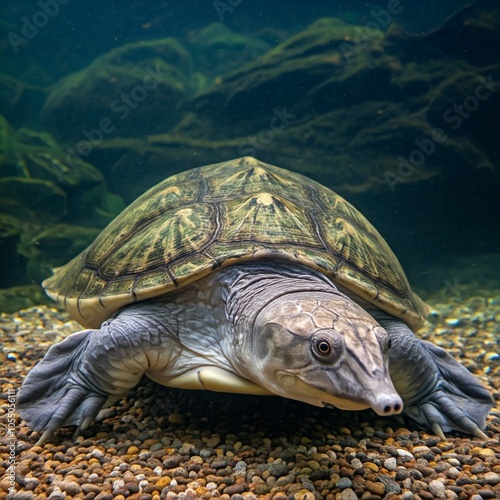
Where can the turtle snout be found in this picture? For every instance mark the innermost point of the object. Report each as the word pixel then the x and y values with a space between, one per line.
pixel 387 404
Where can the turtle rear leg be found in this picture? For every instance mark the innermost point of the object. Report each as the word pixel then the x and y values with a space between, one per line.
pixel 438 392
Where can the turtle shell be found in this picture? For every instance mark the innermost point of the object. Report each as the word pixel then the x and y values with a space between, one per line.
pixel 214 216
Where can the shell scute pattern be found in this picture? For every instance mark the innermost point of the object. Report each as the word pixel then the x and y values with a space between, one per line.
pixel 213 216
pixel 142 213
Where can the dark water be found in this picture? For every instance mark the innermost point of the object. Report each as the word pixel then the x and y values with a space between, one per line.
pixel 392 104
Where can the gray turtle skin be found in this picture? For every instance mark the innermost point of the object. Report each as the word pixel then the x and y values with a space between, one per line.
pixel 264 328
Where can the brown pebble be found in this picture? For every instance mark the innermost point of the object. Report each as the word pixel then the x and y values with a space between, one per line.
pixel 163 481
pixel 236 488
pixel 90 488
pixel 371 466
pixel 70 487
pixel 375 487
pixel 176 418
pixel 213 442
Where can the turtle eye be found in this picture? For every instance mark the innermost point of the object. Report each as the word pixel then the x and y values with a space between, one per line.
pixel 326 348
pixel 323 347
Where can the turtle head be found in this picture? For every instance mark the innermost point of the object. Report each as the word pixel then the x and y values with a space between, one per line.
pixel 323 349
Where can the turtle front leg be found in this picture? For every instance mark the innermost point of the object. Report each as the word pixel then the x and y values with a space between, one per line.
pixel 438 392
pixel 90 370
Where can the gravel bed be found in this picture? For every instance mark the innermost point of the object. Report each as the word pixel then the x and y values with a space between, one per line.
pixel 161 443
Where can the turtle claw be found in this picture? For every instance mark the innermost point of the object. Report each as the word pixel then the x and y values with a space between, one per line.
pixel 436 428
pixel 44 437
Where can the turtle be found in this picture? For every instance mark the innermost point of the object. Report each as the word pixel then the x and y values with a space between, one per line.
pixel 243 277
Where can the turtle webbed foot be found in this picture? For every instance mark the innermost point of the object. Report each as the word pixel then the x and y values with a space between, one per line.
pixel 57 393
pixel 438 392
pixel 458 402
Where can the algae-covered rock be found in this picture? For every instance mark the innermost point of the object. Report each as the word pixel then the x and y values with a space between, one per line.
pixel 217 51
pixel 25 197
pixel 31 155
pixel 132 90
pixel 20 101
pixel 309 73
pixel 44 199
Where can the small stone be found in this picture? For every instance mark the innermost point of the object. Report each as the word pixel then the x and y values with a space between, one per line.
pixel 204 453
pixel 96 453
pixel 491 356
pixel 213 442
pixel 176 418
pixel 348 494
pixel 486 494
pixel 375 488
pixel 491 478
pixel 405 455
pixel 163 481
pixel 390 464
pixel 219 464
pixel 235 488
pixel 369 431
pixel 90 488
pixel 453 322
pixel 343 483
pixel 57 494
pixel 356 464
pixel 313 464
pixel 437 488
pixel 421 449
pixel 172 461
pixel 371 466
pixel 485 452
pixel 278 469
pixel 70 487
pixel 284 480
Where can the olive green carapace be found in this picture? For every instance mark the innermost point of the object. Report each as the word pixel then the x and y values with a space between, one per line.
pixel 210 217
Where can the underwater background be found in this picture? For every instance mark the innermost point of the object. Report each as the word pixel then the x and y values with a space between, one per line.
pixel 394 105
